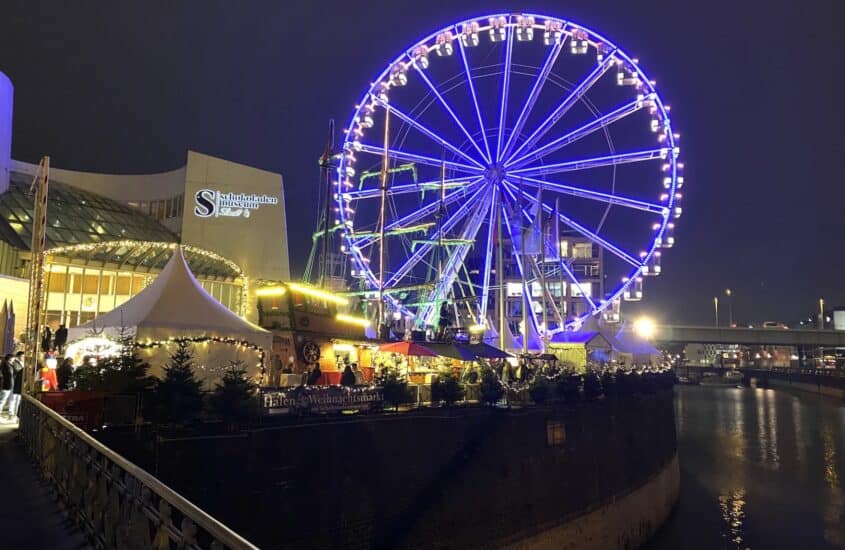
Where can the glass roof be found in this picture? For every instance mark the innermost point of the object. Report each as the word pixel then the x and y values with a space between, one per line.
pixel 74 216
pixel 121 236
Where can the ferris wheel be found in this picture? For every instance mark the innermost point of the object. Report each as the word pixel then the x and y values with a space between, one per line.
pixel 514 135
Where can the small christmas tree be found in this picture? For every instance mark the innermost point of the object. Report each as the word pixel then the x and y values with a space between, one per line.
pixel 178 396
pixel 447 389
pixel 234 398
pixel 393 386
pixel 126 372
pixel 491 387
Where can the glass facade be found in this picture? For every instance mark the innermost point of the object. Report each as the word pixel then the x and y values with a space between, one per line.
pixel 77 294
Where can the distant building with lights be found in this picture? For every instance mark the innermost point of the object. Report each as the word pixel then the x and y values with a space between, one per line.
pixel 108 236
pixel 563 296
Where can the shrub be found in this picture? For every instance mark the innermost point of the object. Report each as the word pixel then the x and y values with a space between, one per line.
pixel 491 388
pixel 609 384
pixel 393 386
pixel 568 387
pixel 447 389
pixel 539 389
pixel 629 382
pixel 234 398
pixel 592 385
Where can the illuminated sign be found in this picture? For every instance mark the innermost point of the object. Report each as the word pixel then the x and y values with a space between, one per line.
pixel 209 203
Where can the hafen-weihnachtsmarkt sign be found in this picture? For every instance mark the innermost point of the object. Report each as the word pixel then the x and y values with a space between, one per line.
pixel 209 203
pixel 306 399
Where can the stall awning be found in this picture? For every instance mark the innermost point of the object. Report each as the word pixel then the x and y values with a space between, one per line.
pixel 486 351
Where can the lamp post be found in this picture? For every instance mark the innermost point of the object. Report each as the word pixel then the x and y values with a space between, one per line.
pixel 821 313
pixel 729 294
pixel 716 308
pixel 821 327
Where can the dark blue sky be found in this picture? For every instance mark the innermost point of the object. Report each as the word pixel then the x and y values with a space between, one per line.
pixel 755 88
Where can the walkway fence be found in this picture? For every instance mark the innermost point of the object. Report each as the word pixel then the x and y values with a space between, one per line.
pixel 116 503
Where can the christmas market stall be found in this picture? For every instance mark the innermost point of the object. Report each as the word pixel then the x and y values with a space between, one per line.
pixel 175 307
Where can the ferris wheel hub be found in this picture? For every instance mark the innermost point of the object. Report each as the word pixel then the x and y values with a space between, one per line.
pixel 495 174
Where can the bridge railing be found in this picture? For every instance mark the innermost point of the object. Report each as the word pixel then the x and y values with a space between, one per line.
pixel 118 504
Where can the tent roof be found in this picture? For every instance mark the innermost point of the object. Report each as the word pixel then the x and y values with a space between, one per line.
pixel 177 304
pixel 625 341
pixel 578 337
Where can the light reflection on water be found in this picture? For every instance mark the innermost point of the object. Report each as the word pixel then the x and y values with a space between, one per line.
pixel 759 469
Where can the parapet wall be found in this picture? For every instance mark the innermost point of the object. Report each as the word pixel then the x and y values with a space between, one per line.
pixel 601 474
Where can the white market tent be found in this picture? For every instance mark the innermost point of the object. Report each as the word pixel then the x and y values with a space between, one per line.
pixel 175 305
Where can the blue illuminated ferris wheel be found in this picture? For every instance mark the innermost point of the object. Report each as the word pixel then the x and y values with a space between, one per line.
pixel 514 132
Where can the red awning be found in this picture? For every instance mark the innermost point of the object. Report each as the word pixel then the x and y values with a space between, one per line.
pixel 408 348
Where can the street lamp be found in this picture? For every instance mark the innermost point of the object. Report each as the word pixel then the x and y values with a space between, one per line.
pixel 716 308
pixel 729 293
pixel 821 313
pixel 644 327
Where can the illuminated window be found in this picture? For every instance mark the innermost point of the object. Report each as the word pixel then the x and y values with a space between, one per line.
pixel 586 287
pixel 564 249
pixel 555 433
pixel 514 289
pixel 582 250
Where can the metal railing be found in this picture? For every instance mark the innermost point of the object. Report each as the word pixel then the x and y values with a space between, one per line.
pixel 118 504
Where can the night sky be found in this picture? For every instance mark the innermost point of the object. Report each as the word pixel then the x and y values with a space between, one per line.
pixel 755 89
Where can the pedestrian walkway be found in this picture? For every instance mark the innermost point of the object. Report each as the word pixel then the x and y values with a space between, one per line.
pixel 29 512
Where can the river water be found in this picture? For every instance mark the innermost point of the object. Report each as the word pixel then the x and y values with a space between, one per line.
pixel 759 469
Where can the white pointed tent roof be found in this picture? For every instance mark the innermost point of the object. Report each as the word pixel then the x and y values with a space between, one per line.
pixel 175 305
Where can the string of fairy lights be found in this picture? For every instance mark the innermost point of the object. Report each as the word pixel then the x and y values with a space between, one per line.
pixel 241 344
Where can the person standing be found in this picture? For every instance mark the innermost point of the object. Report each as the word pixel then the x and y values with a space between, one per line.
pixel 314 376
pixel 61 339
pixel 47 340
pixel 17 383
pixel 359 375
pixel 7 377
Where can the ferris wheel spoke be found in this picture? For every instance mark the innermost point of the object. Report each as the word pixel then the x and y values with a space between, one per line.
pixel 456 260
pixel 430 185
pixel 447 225
pixel 512 189
pixel 396 154
pixel 574 96
pixel 595 162
pixel 420 213
pixel 446 106
pixel 425 131
pixel 521 267
pixel 579 133
pixel 608 198
pixel 542 75
pixel 506 82
pixel 488 256
pixel 471 87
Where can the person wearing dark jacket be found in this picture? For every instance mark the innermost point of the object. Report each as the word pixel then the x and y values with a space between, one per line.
pixel 61 339
pixel 47 340
pixel 7 380
pixel 314 375
pixel 348 377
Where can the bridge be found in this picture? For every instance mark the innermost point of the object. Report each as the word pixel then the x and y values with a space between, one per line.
pixel 678 334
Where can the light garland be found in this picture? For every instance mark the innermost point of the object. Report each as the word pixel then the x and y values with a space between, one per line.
pixel 200 339
pixel 352 320
pixel 317 293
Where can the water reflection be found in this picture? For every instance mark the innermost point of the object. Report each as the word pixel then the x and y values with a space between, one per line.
pixel 759 469
pixel 733 517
